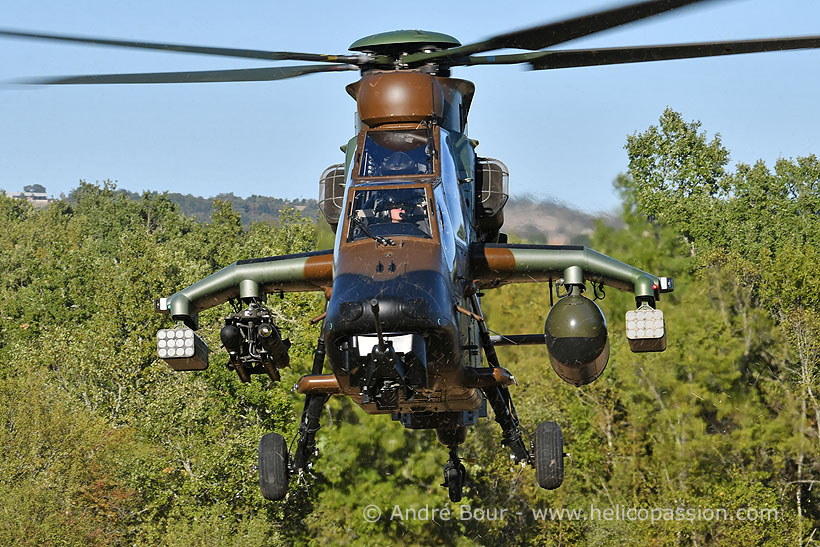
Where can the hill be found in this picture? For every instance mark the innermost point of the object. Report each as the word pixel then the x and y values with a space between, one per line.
pixel 544 221
pixel 525 218
pixel 252 209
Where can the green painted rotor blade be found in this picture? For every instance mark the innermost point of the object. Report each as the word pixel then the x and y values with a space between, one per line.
pixel 544 60
pixel 183 48
pixel 551 34
pixel 237 75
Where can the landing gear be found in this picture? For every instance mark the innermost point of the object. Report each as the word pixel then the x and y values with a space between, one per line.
pixel 549 455
pixel 309 422
pixel 454 472
pixel 499 397
pixel 308 426
pixel 273 467
pixel 454 475
pixel 504 410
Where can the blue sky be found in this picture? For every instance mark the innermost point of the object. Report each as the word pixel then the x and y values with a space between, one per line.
pixel 560 132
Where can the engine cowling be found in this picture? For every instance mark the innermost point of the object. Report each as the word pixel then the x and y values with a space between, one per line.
pixel 576 337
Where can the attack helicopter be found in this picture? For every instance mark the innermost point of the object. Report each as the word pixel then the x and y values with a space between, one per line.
pixel 418 219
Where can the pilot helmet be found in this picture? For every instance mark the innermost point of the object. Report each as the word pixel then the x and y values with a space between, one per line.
pixel 397 162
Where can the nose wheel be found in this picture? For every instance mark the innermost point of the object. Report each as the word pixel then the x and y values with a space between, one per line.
pixel 454 476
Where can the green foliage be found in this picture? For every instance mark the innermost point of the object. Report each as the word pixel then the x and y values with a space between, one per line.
pixel 678 164
pixel 690 428
pixel 105 445
pixel 76 299
pixel 758 222
pixel 252 209
pixel 753 233
pixel 62 475
pixel 34 188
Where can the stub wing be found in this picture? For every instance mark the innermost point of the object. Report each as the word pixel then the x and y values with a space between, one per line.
pixel 496 264
pixel 251 279
pixel 493 265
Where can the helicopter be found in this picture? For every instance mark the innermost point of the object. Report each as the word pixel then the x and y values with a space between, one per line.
pixel 418 219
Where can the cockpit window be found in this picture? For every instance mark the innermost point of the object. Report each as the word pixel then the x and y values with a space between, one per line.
pixel 378 214
pixel 396 153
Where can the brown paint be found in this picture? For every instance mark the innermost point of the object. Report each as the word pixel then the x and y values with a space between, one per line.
pixel 470 314
pixel 491 267
pixel 363 257
pixel 318 384
pixel 487 377
pixel 419 94
pixel 319 269
pixel 410 253
pixel 318 318
pixel 499 260
pixel 391 97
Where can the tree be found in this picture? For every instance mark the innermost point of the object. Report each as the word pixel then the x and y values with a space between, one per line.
pixel 76 299
pixel 757 224
pixel 104 444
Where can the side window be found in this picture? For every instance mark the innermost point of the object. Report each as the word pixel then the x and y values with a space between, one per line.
pixel 451 189
pixel 445 227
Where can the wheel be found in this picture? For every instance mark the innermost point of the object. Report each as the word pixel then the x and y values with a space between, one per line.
pixel 549 455
pixel 455 481
pixel 273 466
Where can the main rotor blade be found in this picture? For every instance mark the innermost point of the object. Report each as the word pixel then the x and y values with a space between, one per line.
pixel 236 75
pixel 182 48
pixel 551 34
pixel 544 60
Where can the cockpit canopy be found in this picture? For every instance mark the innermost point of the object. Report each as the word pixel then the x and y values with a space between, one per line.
pixel 396 153
pixel 380 213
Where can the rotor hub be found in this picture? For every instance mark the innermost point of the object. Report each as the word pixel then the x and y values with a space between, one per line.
pixel 398 42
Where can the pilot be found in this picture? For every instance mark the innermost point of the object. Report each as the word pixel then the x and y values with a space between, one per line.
pixel 400 209
pixel 393 210
pixel 398 163
pixel 398 213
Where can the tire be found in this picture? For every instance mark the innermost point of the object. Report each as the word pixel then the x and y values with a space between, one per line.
pixel 455 482
pixel 273 467
pixel 549 455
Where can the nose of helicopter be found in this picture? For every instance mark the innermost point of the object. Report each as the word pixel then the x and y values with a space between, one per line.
pixel 416 302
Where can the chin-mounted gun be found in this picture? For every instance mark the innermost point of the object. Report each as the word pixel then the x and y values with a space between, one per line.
pixel 254 343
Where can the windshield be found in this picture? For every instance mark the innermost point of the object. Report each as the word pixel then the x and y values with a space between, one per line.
pixel 393 212
pixel 393 153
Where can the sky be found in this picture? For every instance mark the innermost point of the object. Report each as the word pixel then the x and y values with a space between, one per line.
pixel 560 132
